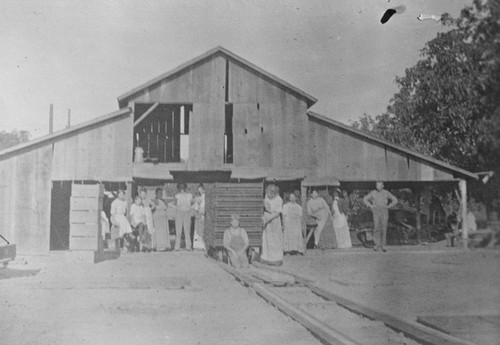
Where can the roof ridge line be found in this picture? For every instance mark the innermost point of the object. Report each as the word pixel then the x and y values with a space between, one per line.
pixel 218 49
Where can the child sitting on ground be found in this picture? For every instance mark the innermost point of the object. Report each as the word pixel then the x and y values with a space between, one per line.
pixel 236 243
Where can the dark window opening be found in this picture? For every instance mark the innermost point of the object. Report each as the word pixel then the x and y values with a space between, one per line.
pixel 59 215
pixel 228 134
pixel 163 135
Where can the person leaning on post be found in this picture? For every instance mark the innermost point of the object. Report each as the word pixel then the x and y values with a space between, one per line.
pixel 380 201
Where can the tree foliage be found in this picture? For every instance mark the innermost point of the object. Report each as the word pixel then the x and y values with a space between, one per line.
pixel 12 138
pixel 448 104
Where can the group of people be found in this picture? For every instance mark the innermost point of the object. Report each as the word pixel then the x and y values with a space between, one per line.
pixel 146 227
pixel 278 240
pixel 283 232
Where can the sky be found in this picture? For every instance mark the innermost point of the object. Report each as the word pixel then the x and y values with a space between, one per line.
pixel 82 55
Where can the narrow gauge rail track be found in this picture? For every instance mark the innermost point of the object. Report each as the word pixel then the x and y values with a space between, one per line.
pixel 331 318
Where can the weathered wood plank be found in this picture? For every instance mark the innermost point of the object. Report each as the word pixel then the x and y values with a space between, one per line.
pixel 240 139
pixel 314 147
pixel 352 150
pixel 297 129
pixel 146 114
pixel 326 333
pixel 86 190
pixel 266 138
pixel 89 217
pixel 85 203
pixel 243 84
pixel 83 230
pixel 195 134
pixel 253 134
pixel 84 243
pixel 102 153
pixel 30 200
pixel 418 332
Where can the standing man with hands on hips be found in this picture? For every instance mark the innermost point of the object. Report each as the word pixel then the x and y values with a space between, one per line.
pixel 378 201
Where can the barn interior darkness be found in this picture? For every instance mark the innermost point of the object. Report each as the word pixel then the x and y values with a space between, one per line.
pixel 164 133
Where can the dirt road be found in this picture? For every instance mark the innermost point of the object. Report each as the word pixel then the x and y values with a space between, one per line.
pixel 184 298
pixel 160 298
pixel 411 281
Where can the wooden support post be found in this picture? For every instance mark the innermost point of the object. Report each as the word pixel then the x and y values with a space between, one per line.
pixel 418 223
pixel 303 200
pixel 462 186
pixel 129 197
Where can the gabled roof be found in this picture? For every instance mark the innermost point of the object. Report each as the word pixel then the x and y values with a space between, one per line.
pixel 10 151
pixel 123 99
pixel 393 146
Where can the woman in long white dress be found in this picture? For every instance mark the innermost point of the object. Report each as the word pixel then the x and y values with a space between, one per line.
pixel 199 220
pixel 119 214
pixel 272 236
pixel 292 224
pixel 340 225
pixel 161 237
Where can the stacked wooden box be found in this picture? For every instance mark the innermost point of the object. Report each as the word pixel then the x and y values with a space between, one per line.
pixel 85 233
pixel 245 200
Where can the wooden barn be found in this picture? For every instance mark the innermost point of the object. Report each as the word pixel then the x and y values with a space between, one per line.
pixel 218 119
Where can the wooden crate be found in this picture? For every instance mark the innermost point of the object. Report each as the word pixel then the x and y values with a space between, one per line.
pixel 85 217
pixel 244 199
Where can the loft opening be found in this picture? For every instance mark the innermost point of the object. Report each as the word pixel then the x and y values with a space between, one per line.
pixel 162 132
pixel 228 134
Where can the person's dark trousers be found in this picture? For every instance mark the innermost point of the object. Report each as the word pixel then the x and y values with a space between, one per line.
pixel 380 218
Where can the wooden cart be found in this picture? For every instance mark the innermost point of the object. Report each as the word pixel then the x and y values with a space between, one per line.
pixel 7 252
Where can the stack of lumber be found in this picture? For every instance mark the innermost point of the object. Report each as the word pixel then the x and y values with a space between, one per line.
pixel 85 218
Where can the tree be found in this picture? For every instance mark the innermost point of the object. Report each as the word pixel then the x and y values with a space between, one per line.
pixel 448 104
pixel 12 138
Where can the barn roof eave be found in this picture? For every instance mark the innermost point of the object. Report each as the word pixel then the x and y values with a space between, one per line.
pixel 13 150
pixel 123 99
pixel 455 170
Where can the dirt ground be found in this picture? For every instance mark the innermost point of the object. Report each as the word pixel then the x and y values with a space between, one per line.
pixel 185 298
pixel 158 298
pixel 409 281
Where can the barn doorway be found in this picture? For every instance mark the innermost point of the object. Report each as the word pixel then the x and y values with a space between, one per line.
pixel 59 215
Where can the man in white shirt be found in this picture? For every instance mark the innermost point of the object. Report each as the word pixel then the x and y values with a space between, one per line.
pixel 378 202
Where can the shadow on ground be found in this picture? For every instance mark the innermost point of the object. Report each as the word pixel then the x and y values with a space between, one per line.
pixel 8 273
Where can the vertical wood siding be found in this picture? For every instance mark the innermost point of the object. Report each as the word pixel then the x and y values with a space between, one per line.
pixel 25 187
pixel 100 153
pixel 333 152
pixel 269 123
